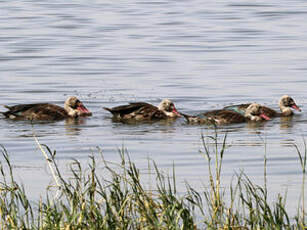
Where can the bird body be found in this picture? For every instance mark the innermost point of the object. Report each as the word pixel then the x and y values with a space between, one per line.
pixel 142 111
pixel 46 111
pixel 285 105
pixel 221 116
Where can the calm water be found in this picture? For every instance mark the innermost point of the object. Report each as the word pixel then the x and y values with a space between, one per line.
pixel 202 56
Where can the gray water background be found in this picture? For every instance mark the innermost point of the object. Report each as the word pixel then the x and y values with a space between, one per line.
pixel 201 54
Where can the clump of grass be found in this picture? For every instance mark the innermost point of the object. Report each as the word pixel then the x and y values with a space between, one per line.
pixel 300 218
pixel 88 201
pixel 119 200
pixel 248 206
pixel 15 208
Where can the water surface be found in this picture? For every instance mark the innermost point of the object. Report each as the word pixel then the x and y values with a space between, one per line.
pixel 201 56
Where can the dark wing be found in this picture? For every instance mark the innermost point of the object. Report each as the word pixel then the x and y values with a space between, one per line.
pixel 39 111
pixel 225 116
pixel 241 108
pixel 213 113
pixel 137 111
pixel 22 107
pixel 18 110
pixel 270 112
pixel 126 109
pixel 198 119
pixel 149 112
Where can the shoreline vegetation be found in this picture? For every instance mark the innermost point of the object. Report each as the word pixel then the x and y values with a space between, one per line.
pixel 119 200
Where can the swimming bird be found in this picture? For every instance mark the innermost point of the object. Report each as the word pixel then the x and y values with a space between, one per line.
pixel 285 104
pixel 221 117
pixel 142 111
pixel 73 108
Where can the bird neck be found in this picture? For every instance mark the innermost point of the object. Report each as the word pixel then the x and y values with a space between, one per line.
pixel 169 114
pixel 285 110
pixel 253 117
pixel 70 111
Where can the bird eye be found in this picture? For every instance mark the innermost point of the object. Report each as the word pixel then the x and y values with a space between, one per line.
pixel 290 102
pixel 75 104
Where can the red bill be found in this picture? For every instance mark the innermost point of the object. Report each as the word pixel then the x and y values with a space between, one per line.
pixel 265 117
pixel 296 107
pixel 83 109
pixel 176 112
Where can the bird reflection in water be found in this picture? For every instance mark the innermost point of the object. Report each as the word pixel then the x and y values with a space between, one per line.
pixel 72 126
pixel 286 123
pixel 255 127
